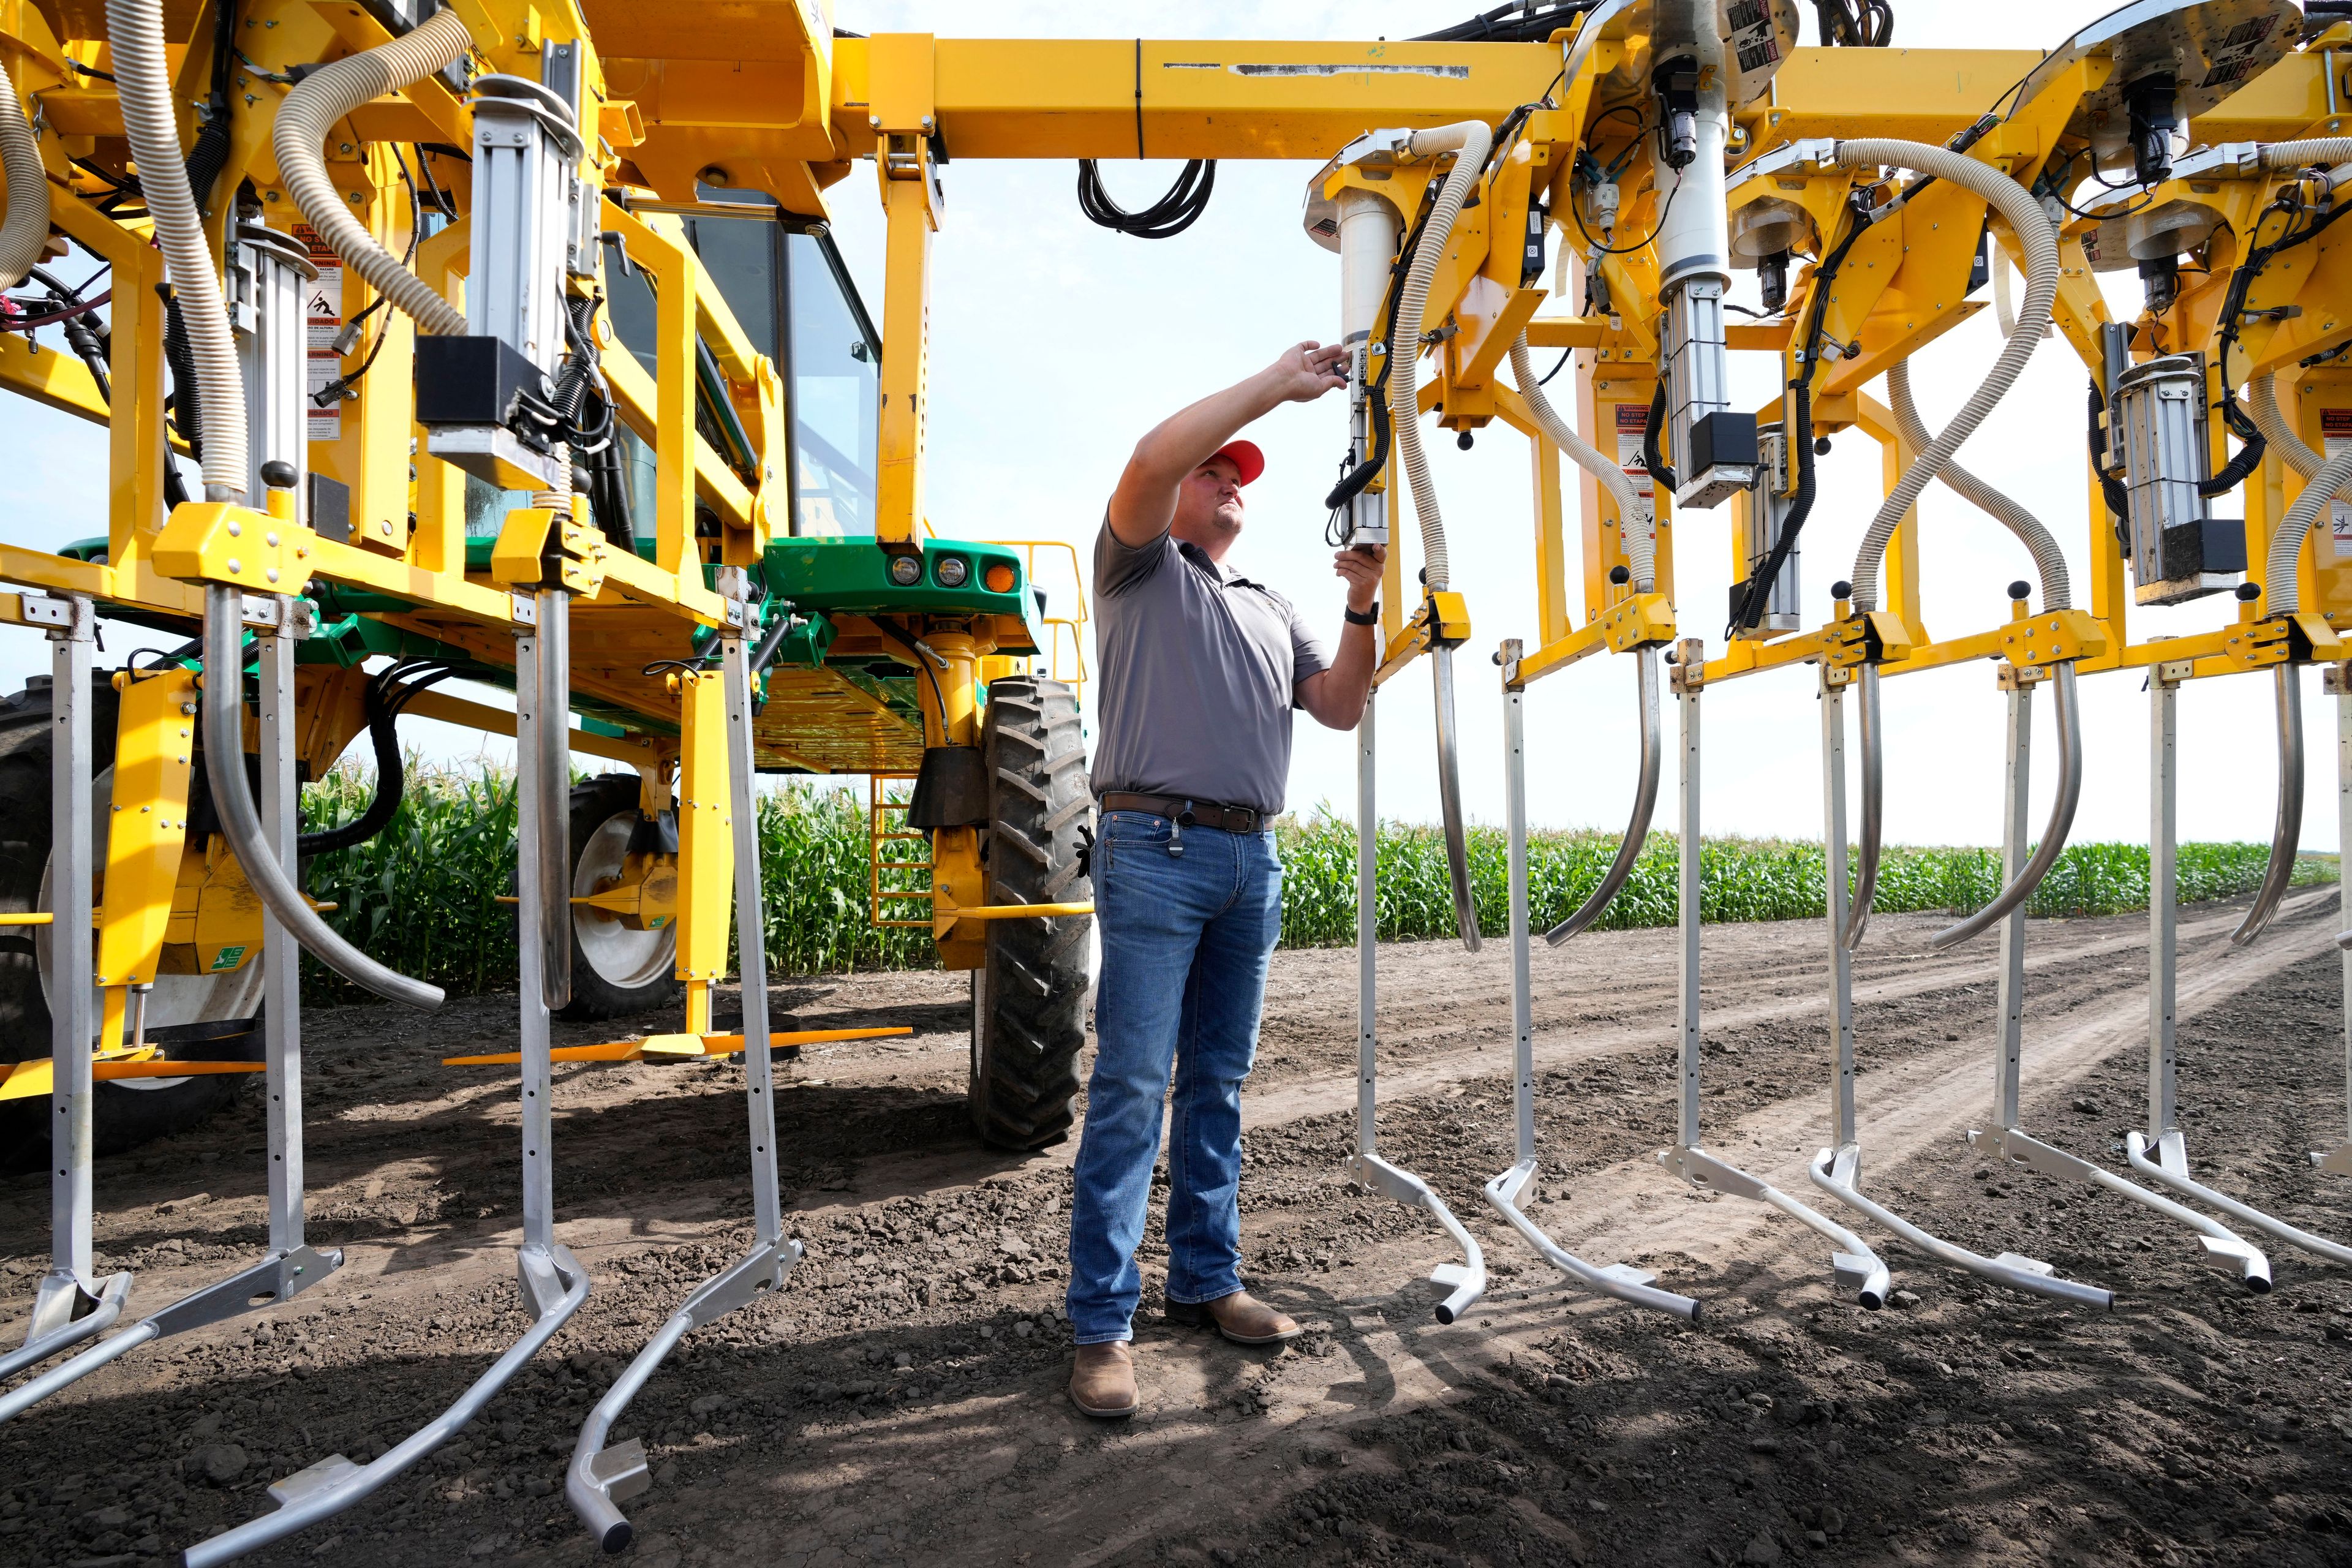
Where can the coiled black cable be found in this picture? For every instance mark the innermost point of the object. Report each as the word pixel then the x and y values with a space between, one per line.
pixel 1170 216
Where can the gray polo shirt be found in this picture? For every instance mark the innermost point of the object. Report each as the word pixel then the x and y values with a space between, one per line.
pixel 1199 674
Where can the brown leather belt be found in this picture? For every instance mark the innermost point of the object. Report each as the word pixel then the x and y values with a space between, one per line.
pixel 1186 812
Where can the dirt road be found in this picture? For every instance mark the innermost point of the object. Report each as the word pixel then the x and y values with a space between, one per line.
pixel 900 1401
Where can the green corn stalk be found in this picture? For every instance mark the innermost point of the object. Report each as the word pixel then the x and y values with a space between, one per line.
pixel 423 895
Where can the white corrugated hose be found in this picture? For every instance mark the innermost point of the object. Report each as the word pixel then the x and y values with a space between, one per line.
pixel 2049 561
pixel 25 229
pixel 1469 142
pixel 142 79
pixel 2024 215
pixel 298 137
pixel 1641 542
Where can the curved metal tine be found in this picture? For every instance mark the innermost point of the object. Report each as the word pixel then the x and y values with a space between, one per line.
pixel 1467 1278
pixel 100 1311
pixel 1854 1265
pixel 2223 1248
pixel 2054 832
pixel 1835 1171
pixel 2287 832
pixel 335 1483
pixel 552 1281
pixel 1365 1167
pixel 2169 1165
pixel 1619 1280
pixel 1645 804
pixel 1449 797
pixel 599 1479
pixel 291 1266
pixel 1874 811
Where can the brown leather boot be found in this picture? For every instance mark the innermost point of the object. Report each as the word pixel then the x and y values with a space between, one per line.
pixel 1240 1317
pixel 1102 1383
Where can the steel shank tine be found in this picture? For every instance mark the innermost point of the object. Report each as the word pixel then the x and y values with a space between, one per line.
pixel 1645 804
pixel 1449 796
pixel 598 1480
pixel 290 1266
pixel 1873 810
pixel 2287 832
pixel 2061 823
pixel 1502 1193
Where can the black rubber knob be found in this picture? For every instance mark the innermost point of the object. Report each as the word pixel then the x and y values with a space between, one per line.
pixel 1820 445
pixel 278 474
pixel 2020 589
pixel 2249 592
pixel 1463 440
pixel 1673 659
pixel 1618 575
pixel 1841 589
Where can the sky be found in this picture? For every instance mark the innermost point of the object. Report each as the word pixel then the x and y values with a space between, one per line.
pixel 1055 344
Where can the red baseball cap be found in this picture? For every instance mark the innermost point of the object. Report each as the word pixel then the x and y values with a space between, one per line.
pixel 1244 457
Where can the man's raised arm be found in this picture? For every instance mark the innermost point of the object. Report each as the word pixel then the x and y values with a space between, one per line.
pixel 1145 502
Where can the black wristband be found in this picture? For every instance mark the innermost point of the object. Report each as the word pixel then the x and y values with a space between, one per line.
pixel 1371 618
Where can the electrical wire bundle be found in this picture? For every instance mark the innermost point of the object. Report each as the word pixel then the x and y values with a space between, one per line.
pixel 1353 480
pixel 1757 590
pixel 1845 25
pixel 392 689
pixel 1526 22
pixel 1170 216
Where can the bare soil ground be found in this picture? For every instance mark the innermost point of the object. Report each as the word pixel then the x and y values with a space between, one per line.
pixel 900 1402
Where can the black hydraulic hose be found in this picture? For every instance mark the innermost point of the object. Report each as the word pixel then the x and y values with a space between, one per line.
pixel 1521 22
pixel 385 700
pixel 1653 461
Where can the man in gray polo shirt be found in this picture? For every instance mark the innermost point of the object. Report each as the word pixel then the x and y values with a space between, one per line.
pixel 1201 668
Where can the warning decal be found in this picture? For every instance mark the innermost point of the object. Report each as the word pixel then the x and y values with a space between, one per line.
pixel 324 307
pixel 2336 435
pixel 1632 418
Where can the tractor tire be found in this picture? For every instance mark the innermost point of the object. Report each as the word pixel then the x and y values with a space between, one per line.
pixel 206 1016
pixel 616 972
pixel 1029 998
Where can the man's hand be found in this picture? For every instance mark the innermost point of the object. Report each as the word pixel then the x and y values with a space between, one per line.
pixel 1359 568
pixel 1306 372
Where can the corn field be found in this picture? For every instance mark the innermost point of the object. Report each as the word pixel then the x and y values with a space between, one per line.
pixel 423 895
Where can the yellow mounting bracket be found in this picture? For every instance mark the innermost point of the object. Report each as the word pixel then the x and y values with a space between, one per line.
pixel 2051 637
pixel 1446 616
pixel 1641 621
pixel 2260 643
pixel 1845 642
pixel 541 548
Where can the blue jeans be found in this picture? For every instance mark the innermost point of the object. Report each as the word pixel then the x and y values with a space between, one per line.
pixel 1187 927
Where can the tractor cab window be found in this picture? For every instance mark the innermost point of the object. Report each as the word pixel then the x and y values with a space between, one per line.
pixel 836 372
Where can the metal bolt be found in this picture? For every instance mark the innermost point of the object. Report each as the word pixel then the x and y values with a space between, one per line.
pixel 271 539
pixel 235 528
pixel 234 566
pixel 273 574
